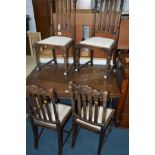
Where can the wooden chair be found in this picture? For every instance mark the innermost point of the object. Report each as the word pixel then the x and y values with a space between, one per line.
pixel 62 31
pixel 89 110
pixel 105 32
pixel 45 111
pixel 33 38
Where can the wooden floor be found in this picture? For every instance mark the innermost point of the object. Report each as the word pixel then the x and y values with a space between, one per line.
pixel 51 76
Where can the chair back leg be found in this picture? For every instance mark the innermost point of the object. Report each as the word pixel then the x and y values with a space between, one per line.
pixel 91 57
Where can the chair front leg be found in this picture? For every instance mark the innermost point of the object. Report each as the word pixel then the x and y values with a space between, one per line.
pixel 114 55
pixel 110 64
pixel 74 134
pixel 65 60
pixel 60 141
pixel 77 58
pixel 101 140
pixel 91 57
pixel 54 56
pixel 74 54
pixel 35 135
pixel 37 54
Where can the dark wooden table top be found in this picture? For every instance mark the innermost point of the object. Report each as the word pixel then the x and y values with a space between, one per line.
pixel 52 77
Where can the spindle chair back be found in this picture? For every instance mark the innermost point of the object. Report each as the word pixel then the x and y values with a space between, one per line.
pixel 89 110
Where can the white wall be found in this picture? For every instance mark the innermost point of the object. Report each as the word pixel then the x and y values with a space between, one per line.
pixel 29 11
pixel 126 6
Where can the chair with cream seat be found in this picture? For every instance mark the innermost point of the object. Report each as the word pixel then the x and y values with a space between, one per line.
pixel 105 32
pixel 62 32
pixel 89 111
pixel 45 111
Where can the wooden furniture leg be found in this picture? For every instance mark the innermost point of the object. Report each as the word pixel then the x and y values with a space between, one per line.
pixel 101 139
pixel 66 64
pixel 35 134
pixel 77 58
pixel 54 56
pixel 74 134
pixel 60 141
pixel 74 54
pixel 65 61
pixel 37 51
pixel 91 57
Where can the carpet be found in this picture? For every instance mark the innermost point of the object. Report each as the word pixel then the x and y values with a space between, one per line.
pixel 117 142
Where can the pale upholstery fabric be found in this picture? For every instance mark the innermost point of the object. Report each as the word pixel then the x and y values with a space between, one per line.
pixel 109 112
pixel 99 42
pixel 62 109
pixel 56 40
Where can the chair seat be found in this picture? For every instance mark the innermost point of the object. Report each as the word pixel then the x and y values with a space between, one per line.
pixel 56 40
pixel 63 111
pixel 109 114
pixel 100 42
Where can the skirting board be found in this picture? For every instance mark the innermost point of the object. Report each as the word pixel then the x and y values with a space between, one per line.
pixel 96 61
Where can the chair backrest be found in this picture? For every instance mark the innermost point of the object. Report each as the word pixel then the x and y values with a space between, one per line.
pixel 86 102
pixel 42 104
pixel 107 15
pixel 33 38
pixel 63 18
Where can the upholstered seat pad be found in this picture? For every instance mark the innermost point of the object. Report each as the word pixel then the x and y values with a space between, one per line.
pixel 56 40
pixel 109 114
pixel 99 42
pixel 63 111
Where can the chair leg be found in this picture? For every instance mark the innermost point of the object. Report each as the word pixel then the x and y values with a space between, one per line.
pixel 60 141
pixel 110 67
pixel 101 139
pixel 65 52
pixel 77 58
pixel 54 56
pixel 37 54
pixel 74 134
pixel 35 135
pixel 74 54
pixel 91 57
